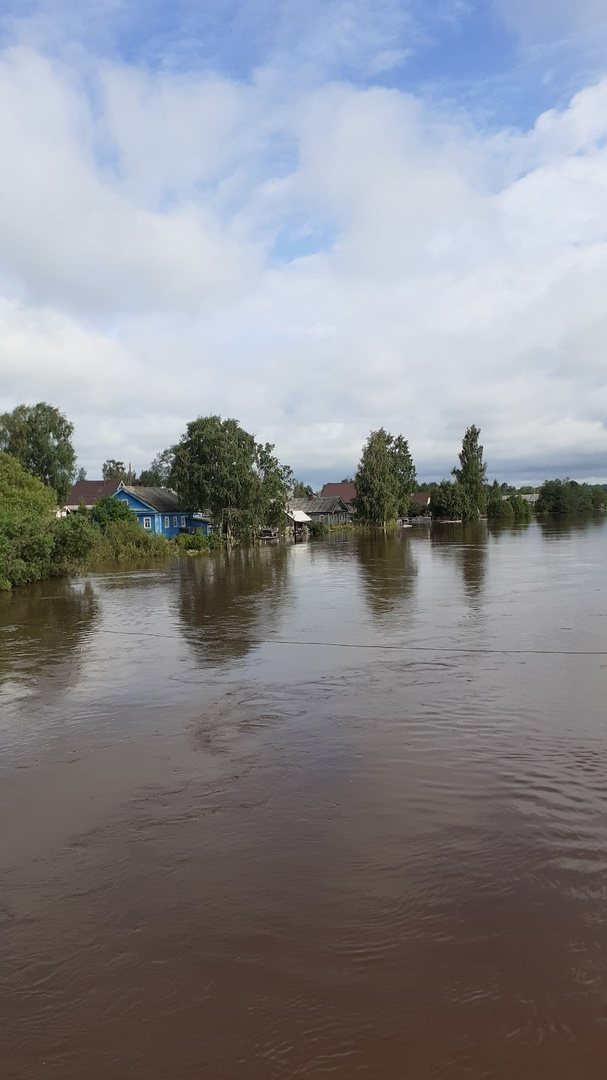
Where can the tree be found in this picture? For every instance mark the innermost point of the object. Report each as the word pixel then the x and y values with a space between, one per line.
pixel 448 501
pixel 404 470
pixel 159 472
pixel 384 479
pixel 109 509
pixel 302 491
pixel 220 467
pixel 27 514
pixel 114 470
pixel 566 497
pixel 471 474
pixel 40 438
pixel 81 474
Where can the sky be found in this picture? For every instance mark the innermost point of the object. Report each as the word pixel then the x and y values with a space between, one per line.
pixel 318 218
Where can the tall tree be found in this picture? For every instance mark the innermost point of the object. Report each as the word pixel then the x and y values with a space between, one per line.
pixel 302 491
pixel 221 468
pixel 158 474
pixel 114 470
pixel 81 474
pixel 471 474
pixel 384 479
pixel 377 491
pixel 404 471
pixel 40 437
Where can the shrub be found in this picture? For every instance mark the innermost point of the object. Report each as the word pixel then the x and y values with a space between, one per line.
pixel 27 509
pixel 522 510
pixel 76 541
pixel 197 541
pixel 110 509
pixel 499 509
pixel 317 529
pixel 127 540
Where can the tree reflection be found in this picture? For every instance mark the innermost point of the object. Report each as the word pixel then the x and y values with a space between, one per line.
pixel 229 601
pixel 43 625
pixel 388 571
pixel 553 528
pixel 466 546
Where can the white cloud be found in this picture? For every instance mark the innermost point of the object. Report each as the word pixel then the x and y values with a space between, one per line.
pixel 450 276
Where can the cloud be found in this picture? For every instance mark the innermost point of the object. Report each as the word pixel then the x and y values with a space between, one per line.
pixel 313 257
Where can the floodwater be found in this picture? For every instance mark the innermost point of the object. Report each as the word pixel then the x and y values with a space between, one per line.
pixel 332 810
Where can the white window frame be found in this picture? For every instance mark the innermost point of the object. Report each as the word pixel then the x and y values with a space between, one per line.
pixel 147 523
pixel 175 520
pixel 167 521
pixel 183 521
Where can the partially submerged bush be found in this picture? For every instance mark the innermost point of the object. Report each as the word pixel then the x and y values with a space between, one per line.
pixel 197 541
pixel 127 540
pixel 318 529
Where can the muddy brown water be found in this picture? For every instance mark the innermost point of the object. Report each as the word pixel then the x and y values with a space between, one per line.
pixel 337 809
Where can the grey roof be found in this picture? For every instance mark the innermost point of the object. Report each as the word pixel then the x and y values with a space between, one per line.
pixel 162 499
pixel 319 505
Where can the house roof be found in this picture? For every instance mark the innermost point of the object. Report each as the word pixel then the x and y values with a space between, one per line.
pixel 162 499
pixel 319 505
pixel 90 491
pixel 299 516
pixel 420 498
pixel 345 491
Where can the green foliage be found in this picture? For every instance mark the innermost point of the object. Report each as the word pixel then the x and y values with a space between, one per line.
pixel 448 501
pixel 317 529
pixel 76 543
pixel 126 540
pixel 35 544
pixel 40 438
pixel 159 472
pixel 521 509
pixel 569 497
pixel 197 541
pixel 302 491
pixel 81 474
pixel 26 525
pixel 499 509
pixel 384 479
pixel 114 470
pixel 471 475
pixel 110 509
pixel 218 466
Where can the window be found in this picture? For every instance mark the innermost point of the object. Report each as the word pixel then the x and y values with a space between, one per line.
pixel 183 521
pixel 167 521
pixel 175 521
pixel 147 523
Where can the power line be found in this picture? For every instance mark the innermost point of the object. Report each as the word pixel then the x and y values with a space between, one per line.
pixel 382 646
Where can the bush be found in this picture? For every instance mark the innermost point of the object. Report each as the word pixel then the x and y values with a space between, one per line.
pixel 110 509
pixel 76 541
pixel 127 540
pixel 448 501
pixel 565 497
pixel 27 517
pixel 500 510
pixel 197 541
pixel 522 510
pixel 318 529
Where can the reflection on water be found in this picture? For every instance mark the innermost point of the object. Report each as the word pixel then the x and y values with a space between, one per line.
pixel 388 571
pixel 228 602
pixel 229 851
pixel 466 545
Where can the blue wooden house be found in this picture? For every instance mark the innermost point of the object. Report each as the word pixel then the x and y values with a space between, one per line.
pixel 158 511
